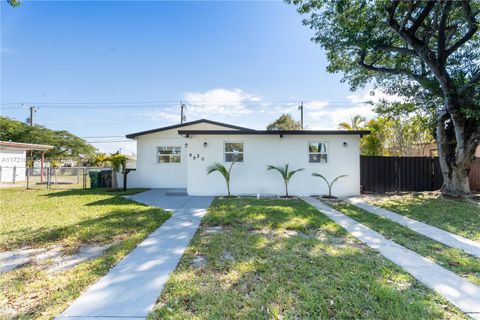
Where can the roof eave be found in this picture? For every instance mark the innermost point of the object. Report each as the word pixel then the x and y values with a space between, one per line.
pixel 175 126
pixel 273 132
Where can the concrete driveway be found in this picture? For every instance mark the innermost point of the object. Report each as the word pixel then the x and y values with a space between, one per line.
pixel 131 288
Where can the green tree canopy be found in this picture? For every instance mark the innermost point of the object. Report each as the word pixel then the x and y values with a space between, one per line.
pixel 400 136
pixel 426 52
pixel 284 122
pixel 66 145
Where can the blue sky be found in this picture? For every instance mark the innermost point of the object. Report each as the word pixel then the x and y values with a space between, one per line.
pixel 105 69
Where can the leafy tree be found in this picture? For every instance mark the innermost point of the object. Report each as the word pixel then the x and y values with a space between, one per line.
pixel 286 174
pixel 284 122
pixel 356 123
pixel 426 52
pixel 329 184
pixel 220 168
pixel 401 136
pixel 373 143
pixel 66 145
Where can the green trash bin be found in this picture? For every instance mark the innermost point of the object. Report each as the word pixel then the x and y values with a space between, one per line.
pixel 94 179
pixel 105 178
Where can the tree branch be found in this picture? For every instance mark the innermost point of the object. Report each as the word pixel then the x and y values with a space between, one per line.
pixel 420 47
pixel 391 71
pixel 472 24
pixel 405 20
pixel 441 44
pixel 418 22
pixel 399 50
pixel 475 78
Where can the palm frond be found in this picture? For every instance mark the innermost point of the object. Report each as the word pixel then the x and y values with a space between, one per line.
pixel 286 174
pixel 220 168
pixel 344 126
pixel 320 176
pixel 291 173
pixel 341 176
pixel 277 168
pixel 329 184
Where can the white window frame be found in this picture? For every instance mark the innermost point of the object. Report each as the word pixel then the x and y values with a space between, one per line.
pixel 224 152
pixel 320 153
pixel 168 146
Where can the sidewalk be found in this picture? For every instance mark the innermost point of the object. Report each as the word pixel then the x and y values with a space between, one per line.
pixel 131 288
pixel 442 236
pixel 460 292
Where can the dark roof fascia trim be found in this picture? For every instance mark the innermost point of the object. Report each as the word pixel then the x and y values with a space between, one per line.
pixel 180 125
pixel 273 132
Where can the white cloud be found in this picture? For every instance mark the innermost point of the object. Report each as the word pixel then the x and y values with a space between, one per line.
pixel 125 147
pixel 172 116
pixel 231 102
pixel 330 117
pixel 315 105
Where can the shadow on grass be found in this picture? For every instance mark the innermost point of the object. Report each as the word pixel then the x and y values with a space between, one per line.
pixel 457 216
pixel 300 276
pixel 94 230
pixel 98 191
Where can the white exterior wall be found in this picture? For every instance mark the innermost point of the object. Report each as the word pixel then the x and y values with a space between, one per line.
pixel 9 159
pixel 251 176
pixel 152 174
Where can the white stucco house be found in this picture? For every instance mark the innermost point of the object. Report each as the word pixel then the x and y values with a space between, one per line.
pixel 178 156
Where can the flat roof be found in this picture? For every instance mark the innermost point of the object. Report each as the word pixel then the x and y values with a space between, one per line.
pixel 274 132
pixel 180 125
pixel 24 146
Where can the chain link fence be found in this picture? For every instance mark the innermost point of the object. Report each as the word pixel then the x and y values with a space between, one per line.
pixel 56 178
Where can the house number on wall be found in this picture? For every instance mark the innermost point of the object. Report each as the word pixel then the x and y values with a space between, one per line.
pixel 196 157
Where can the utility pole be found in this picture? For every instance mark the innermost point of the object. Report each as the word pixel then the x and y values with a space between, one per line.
pixel 30 122
pixel 32 111
pixel 300 107
pixel 183 107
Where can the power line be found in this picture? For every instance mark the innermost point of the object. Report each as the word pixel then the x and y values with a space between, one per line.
pixel 157 104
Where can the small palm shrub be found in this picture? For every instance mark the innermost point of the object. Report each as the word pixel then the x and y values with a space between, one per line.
pixel 329 184
pixel 118 162
pixel 218 167
pixel 286 174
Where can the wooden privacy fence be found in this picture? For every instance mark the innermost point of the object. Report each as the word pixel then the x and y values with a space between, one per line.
pixel 393 174
pixel 475 175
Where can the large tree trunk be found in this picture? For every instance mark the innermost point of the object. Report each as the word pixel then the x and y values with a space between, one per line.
pixel 457 139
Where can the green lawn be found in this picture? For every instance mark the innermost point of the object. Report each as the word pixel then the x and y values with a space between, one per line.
pixel 453 259
pixel 70 219
pixel 461 217
pixel 282 259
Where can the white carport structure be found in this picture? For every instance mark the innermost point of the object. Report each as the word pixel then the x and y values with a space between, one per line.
pixel 13 160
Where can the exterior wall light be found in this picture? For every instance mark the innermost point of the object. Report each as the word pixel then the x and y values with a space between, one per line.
pixel 186 145
pixel 345 144
pixel 205 144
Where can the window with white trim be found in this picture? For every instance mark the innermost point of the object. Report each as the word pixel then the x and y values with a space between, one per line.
pixel 169 154
pixel 233 151
pixel 317 152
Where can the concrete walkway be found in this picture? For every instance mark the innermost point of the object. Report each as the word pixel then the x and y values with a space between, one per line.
pixel 460 292
pixel 442 236
pixel 131 288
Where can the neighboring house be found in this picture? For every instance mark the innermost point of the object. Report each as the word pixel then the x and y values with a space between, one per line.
pixel 131 161
pixel 178 156
pixel 13 159
pixel 431 150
